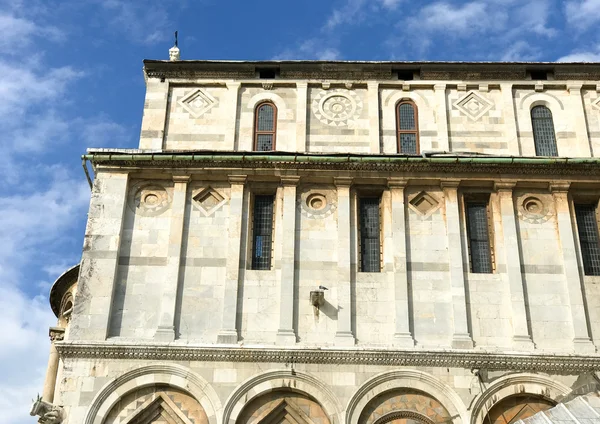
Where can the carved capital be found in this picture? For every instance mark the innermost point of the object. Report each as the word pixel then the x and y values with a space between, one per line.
pixel 450 184
pixel 237 179
pixel 574 88
pixel 504 186
pixel 342 181
pixel 397 183
pixel 56 334
pixel 439 87
pixel 181 178
pixel 289 180
pixel 559 187
pixel 302 85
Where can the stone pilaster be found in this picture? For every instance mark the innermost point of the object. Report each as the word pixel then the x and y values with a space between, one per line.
pixel 100 257
pixel 56 334
pixel 286 334
pixel 573 279
pixel 521 334
pixel 578 115
pixel 166 325
pixel 229 332
pixel 155 114
pixel 374 122
pixel 510 120
pixel 301 111
pixel 233 89
pixel 344 334
pixel 441 118
pixel 461 338
pixel 402 334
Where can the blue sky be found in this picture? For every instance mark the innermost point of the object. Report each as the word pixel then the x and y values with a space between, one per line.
pixel 71 78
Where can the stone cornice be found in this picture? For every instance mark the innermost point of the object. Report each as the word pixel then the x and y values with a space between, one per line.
pixel 436 165
pixel 344 70
pixel 412 358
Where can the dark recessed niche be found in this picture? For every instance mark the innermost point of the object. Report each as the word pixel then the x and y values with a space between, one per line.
pixel 539 75
pixel 266 73
pixel 406 74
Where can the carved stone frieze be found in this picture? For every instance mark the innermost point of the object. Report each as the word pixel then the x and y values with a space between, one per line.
pixel 412 358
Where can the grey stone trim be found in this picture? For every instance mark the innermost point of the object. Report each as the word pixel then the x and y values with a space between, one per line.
pixel 566 134
pixel 151 134
pixel 453 358
pixel 427 266
pixel 542 269
pixel 493 134
pixel 204 262
pixel 142 260
pixel 478 145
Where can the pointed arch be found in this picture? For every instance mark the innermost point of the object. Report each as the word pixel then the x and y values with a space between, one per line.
pixel 172 375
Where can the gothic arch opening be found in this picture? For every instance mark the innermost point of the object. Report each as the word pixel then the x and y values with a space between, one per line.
pixel 517 407
pixel 404 406
pixel 283 407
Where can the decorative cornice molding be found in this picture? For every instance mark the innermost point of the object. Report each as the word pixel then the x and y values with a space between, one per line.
pixel 415 358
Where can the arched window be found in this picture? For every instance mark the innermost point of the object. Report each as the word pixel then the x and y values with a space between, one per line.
pixel 265 124
pixel 543 131
pixel 407 127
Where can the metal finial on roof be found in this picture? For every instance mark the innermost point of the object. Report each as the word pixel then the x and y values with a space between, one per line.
pixel 174 51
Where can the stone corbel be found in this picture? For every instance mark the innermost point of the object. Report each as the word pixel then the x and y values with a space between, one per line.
pixel 289 180
pixel 48 413
pixel 57 334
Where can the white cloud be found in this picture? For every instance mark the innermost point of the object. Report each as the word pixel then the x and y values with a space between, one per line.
pixel 313 49
pixel 520 51
pixel 145 22
pixel 456 20
pixel 17 32
pixel 582 14
pixel 582 56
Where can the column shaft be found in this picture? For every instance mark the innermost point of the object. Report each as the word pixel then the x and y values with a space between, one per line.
pixel 56 334
pixel 521 334
pixel 462 337
pixel 344 334
pixel 229 332
pixel 166 325
pixel 582 342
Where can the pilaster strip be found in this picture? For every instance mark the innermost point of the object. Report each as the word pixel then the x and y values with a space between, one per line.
pixel 461 337
pixel 578 110
pixel 374 121
pixel 229 332
pixel 521 334
pixel 510 119
pixel 573 278
pixel 233 89
pixel 442 117
pixel 344 335
pixel 286 334
pixel 166 324
pixel 301 110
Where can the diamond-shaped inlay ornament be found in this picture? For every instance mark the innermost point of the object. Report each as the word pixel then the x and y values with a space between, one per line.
pixel 208 200
pixel 424 204
pixel 197 102
pixel 596 103
pixel 473 105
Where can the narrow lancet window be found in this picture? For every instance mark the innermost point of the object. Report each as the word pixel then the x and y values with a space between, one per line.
pixel 587 227
pixel 543 131
pixel 264 127
pixel 479 237
pixel 407 125
pixel 370 231
pixel 262 232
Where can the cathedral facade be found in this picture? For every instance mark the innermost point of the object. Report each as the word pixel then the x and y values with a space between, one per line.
pixel 338 243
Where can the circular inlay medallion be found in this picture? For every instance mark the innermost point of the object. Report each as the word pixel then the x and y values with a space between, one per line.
pixel 317 204
pixel 149 199
pixel 533 209
pixel 337 107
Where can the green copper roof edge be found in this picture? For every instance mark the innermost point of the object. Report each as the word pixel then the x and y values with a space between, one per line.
pixel 146 157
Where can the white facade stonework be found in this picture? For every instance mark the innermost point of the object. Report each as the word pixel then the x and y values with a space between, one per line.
pixel 170 322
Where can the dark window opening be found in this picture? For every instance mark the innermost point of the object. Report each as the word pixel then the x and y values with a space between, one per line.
pixel 265 127
pixel 407 127
pixel 543 131
pixel 539 75
pixel 267 73
pixel 370 231
pixel 587 227
pixel 406 75
pixel 262 232
pixel 479 237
